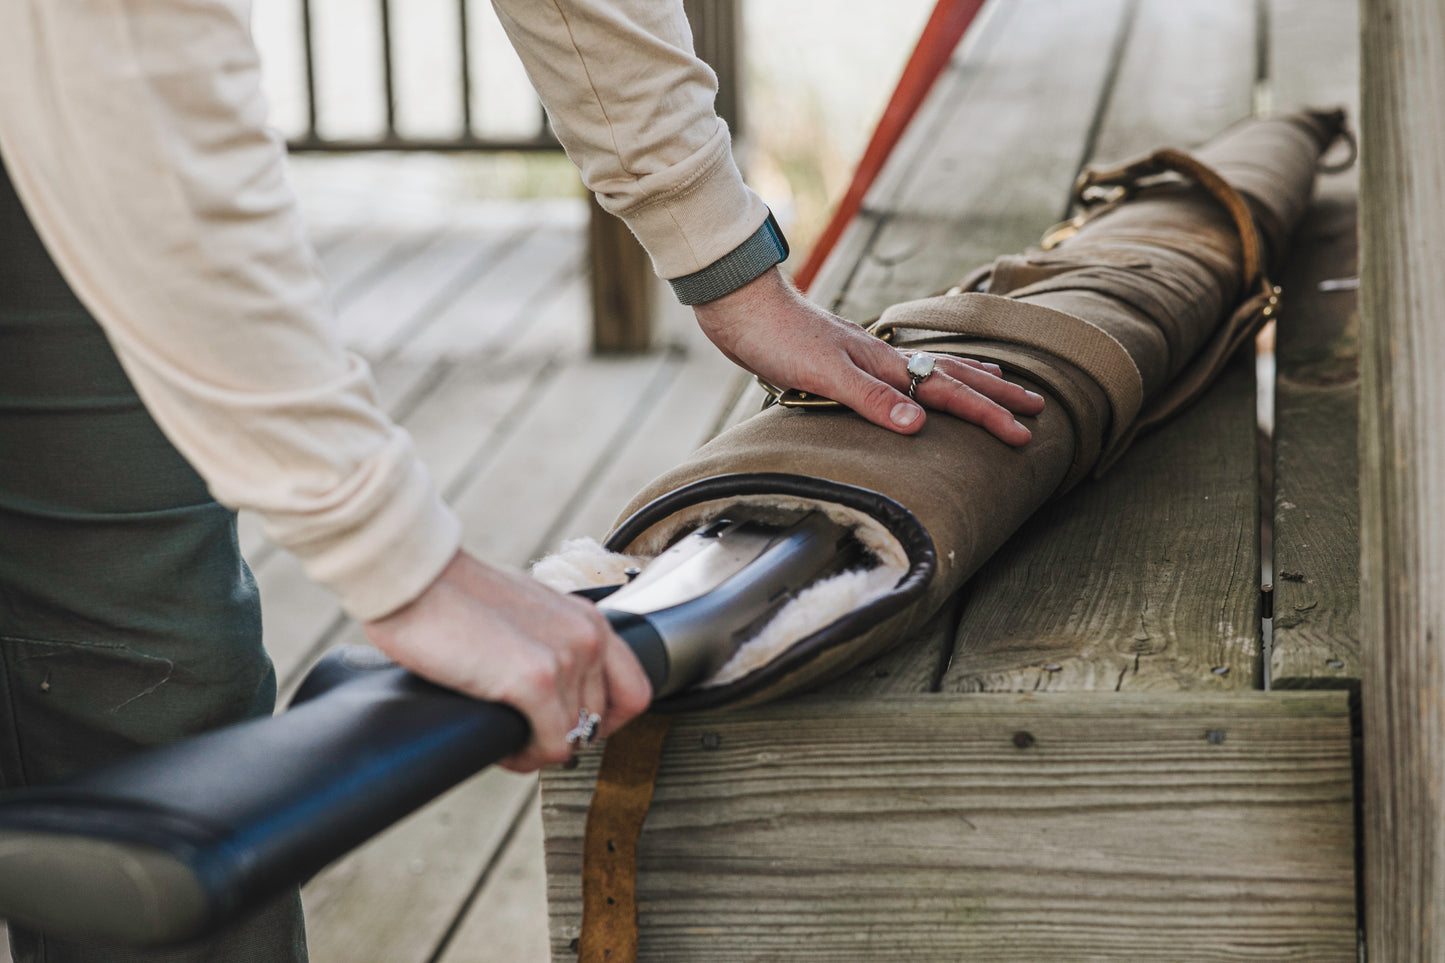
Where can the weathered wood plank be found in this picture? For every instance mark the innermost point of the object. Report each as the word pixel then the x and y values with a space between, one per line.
pixel 404 299
pixel 1317 494
pixel 1146 579
pixel 746 400
pixel 478 318
pixel 1402 475
pixel 676 421
pixel 1314 58
pixel 394 898
pixel 508 921
pixel 988 163
pixel 1314 54
pixel 364 250
pixel 542 466
pixel 996 828
pixel 1186 74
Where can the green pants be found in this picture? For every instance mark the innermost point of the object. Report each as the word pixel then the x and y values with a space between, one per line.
pixel 127 617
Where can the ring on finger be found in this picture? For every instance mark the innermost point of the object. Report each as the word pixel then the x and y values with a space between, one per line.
pixel 920 368
pixel 585 731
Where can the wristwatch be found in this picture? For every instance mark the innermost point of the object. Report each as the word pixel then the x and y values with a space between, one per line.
pixel 742 264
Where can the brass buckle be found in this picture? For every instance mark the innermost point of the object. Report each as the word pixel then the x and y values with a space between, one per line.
pixel 793 398
pixel 1061 232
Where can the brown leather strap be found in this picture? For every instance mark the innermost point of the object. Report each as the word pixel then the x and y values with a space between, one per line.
pixel 609 848
pixel 1092 191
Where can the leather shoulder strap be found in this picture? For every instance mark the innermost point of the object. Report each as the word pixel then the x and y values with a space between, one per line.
pixel 619 807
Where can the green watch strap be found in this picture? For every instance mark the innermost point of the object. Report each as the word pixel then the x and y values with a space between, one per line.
pixel 742 264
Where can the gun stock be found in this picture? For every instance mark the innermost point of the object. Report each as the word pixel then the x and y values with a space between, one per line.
pixel 172 844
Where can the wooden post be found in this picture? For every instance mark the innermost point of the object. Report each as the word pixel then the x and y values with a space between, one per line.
pixel 1402 476
pixel 622 306
pixel 621 277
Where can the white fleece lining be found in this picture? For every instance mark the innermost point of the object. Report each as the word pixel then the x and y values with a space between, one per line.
pixel 583 563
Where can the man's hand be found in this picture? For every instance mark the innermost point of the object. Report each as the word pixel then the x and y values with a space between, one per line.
pixel 507 638
pixel 770 329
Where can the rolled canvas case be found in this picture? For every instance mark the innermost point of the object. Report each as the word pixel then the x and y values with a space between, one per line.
pixel 1126 315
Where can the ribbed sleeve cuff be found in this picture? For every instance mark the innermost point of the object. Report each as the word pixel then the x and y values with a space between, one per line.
pixel 689 228
pixel 402 548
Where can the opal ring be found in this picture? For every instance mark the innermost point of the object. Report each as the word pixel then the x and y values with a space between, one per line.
pixel 920 366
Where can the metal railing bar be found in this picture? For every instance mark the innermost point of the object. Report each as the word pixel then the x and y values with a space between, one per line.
pixel 387 74
pixel 466 53
pixel 308 47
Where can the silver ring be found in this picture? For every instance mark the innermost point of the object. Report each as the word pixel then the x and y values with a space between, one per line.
pixel 920 367
pixel 585 731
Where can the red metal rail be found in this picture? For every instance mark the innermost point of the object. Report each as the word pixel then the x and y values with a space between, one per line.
pixel 945 28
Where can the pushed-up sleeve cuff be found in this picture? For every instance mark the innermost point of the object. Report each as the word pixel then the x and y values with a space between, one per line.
pixel 687 229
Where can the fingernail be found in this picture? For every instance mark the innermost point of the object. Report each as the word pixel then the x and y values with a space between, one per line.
pixel 1034 396
pixel 905 414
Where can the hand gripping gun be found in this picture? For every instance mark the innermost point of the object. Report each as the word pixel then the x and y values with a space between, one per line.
pixel 172 844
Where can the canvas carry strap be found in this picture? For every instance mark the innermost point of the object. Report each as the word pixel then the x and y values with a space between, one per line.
pixel 995 318
pixel 620 802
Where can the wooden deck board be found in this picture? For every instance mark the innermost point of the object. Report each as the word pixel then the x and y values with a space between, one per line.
pixel 1185 75
pixel 1146 579
pixel 999 828
pixel 1149 577
pixel 1317 506
pixel 989 161
pixel 449 258
pixel 479 315
pixel 393 899
pixel 679 419
pixel 501 925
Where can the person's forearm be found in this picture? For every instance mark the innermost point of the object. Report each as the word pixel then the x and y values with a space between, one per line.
pixel 134 134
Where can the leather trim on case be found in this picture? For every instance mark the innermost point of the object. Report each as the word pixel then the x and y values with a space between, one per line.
pixel 900 522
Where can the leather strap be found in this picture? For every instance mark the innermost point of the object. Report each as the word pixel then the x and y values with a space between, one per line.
pixel 620 803
pixel 1101 190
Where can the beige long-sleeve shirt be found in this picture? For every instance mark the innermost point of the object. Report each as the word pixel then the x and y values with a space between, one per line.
pixel 135 134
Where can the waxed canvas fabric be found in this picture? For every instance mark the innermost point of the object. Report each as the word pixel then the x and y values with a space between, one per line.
pixel 1120 326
